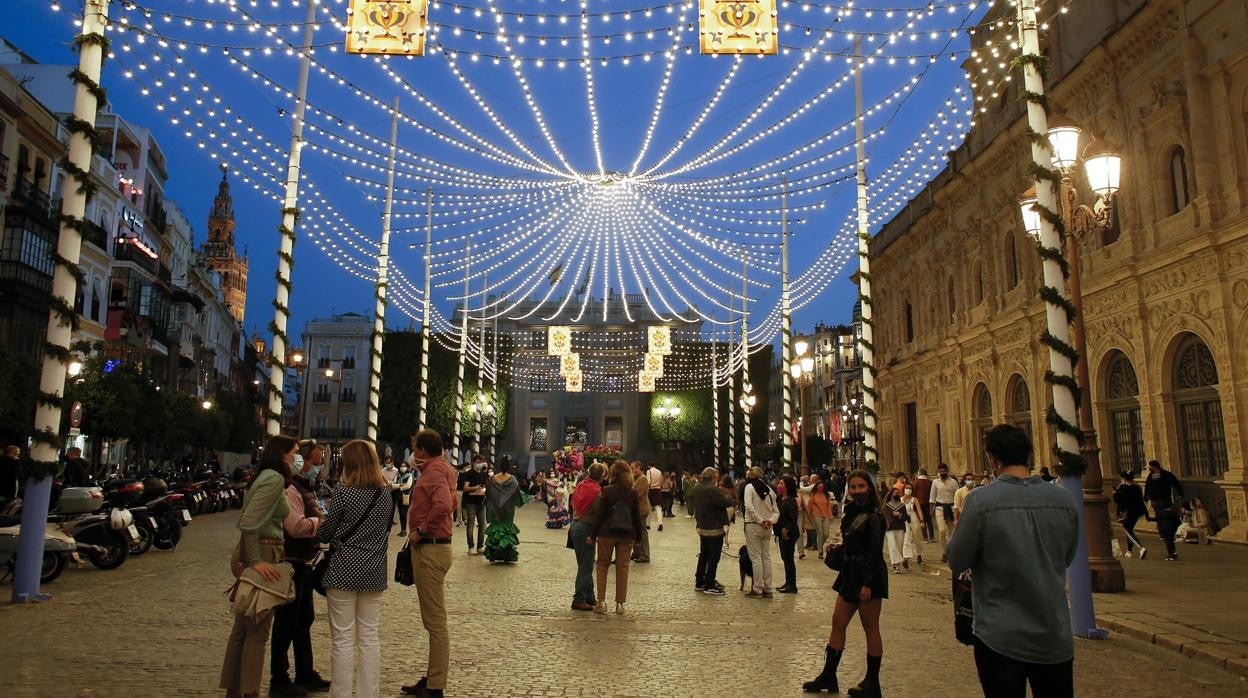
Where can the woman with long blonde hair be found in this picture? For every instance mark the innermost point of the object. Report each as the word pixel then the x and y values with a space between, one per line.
pixel 357 530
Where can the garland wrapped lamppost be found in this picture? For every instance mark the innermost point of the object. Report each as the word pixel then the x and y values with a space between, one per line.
pixel 383 268
pixel 747 398
pixel 92 47
pixel 1058 313
pixel 715 398
pixel 786 335
pixel 456 441
pixel 425 312
pixel 870 455
pixel 286 248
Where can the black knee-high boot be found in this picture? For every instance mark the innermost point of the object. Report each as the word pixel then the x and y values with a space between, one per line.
pixel 826 680
pixel 870 686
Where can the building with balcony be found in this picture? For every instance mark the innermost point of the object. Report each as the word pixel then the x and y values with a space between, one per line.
pixel 1164 286
pixel 335 401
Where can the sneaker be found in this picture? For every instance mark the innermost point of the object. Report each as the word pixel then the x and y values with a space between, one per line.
pixel 314 683
pixel 767 595
pixel 1172 558
pixel 754 594
pixel 714 591
pixel 905 563
pixel 660 527
pixel 719 586
pixel 698 587
pixel 471 551
pixel 582 606
pixel 1143 552
pixel 402 534
pixel 480 551
pixel 896 569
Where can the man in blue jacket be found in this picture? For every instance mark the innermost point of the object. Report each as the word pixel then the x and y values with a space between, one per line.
pixel 1018 535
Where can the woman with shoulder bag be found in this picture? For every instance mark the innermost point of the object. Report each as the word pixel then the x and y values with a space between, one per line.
pixel 260 548
pixel 405 482
pixel 357 529
pixel 861 587
pixel 616 528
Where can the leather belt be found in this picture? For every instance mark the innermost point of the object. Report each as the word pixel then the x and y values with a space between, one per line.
pixel 434 541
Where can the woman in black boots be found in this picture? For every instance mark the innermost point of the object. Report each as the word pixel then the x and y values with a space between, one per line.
pixel 862 585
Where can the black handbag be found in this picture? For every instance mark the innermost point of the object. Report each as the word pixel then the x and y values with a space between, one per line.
pixel 322 566
pixel 963 610
pixel 403 566
pixel 834 557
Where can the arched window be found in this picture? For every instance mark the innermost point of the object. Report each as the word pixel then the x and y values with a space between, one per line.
pixel 1011 262
pixel 1020 403
pixel 909 319
pixel 1178 179
pixel 1198 409
pixel 981 404
pixel 1122 397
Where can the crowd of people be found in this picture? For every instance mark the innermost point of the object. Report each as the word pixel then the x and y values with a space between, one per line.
pixel 863 525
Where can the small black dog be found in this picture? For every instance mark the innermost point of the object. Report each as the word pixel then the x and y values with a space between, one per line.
pixel 747 567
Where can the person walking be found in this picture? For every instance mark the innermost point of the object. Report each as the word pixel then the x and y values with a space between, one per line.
pixel 390 473
pixel 357 528
pixel 641 551
pixel 654 495
pixel 944 489
pixel 710 505
pixel 787 531
pixel 806 522
pixel 912 546
pixel 502 496
pixel 1129 502
pixel 586 499
pixel 618 526
pixel 471 484
pixel 429 526
pixel 861 587
pixel 895 522
pixel 669 493
pixel 405 480
pixel 761 514
pixel 292 622
pixel 821 514
pixel 1160 488
pixel 1017 537
pixel 969 483
pixel 922 487
pixel 265 507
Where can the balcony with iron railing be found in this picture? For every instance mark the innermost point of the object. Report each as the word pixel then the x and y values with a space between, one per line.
pixel 348 362
pixel 129 249
pixel 348 396
pixel 36 201
pixel 322 397
pixel 4 171
pixel 95 234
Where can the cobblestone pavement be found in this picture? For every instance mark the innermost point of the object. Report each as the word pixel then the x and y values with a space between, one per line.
pixel 157 627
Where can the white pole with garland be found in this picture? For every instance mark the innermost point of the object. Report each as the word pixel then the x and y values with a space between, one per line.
pixel 715 397
pixel 476 442
pixel 383 266
pixel 425 312
pixel 490 440
pixel 730 379
pixel 458 407
pixel 290 217
pixel 1058 314
pixel 786 334
pixel 866 338
pixel 745 364
pixel 88 95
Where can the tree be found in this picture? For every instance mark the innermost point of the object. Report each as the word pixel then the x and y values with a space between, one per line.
pixel 19 385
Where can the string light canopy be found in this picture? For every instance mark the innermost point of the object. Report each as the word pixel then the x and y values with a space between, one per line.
pixel 598 165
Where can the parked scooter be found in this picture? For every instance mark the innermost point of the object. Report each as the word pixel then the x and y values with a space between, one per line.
pixel 104 537
pixel 58 550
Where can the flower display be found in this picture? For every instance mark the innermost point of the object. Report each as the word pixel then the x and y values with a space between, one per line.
pixel 569 461
pixel 602 452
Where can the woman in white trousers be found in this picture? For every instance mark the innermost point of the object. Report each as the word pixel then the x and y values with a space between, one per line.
pixel 913 545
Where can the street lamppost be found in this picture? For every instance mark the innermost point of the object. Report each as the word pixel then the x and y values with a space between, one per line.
pixel 667 413
pixel 747 402
pixel 1102 168
pixel 483 409
pixel 297 363
pixel 851 412
pixel 802 370
pixel 335 376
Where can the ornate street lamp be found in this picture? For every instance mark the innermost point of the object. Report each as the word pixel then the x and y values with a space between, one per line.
pixel 802 370
pixel 851 412
pixel 1103 169
pixel 667 413
pixel 483 409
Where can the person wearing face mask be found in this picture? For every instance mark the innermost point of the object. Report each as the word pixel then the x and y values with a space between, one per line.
pixel 944 490
pixel 787 531
pixel 959 497
pixel 404 481
pixel 472 484
pixel 861 586
pixel 292 622
pixel 913 544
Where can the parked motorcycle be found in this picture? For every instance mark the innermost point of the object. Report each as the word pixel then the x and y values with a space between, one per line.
pixel 104 537
pixel 58 550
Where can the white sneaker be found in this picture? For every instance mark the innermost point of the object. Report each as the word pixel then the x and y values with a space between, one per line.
pixel 1143 552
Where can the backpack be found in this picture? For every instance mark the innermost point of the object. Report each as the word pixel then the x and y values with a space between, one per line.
pixel 620 520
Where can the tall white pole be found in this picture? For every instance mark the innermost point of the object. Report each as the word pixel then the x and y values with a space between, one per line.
pixel 730 378
pixel 458 408
pixel 715 397
pixel 383 266
pixel 745 363
pixel 494 392
pixel 480 369
pixel 786 334
pixel 290 216
pixel 427 302
pixel 1058 314
pixel 866 340
pixel 38 474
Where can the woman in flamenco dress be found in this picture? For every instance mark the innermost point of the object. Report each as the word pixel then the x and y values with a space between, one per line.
pixel 502 496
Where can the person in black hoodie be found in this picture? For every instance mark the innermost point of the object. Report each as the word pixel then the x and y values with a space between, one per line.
pixel 1159 489
pixel 787 531
pixel 1129 501
pixel 862 585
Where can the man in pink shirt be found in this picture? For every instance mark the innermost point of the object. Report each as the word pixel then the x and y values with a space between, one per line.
pixel 429 522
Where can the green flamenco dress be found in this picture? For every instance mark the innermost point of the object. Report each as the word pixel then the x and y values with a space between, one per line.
pixel 502 538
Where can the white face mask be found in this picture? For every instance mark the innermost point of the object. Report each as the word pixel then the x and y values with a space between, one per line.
pixel 909 491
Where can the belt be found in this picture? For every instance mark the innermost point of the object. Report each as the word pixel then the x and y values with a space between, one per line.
pixel 272 541
pixel 434 541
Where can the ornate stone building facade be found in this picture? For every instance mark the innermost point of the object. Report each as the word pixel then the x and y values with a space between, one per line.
pixel 219 252
pixel 1165 287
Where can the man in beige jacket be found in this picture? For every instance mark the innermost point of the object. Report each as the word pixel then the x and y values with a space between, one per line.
pixel 641 551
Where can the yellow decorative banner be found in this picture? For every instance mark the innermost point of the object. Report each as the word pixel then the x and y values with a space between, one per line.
pixel 572 382
pixel 660 339
pixel 734 27
pixel 392 26
pixel 645 382
pixel 569 363
pixel 654 365
pixel 558 340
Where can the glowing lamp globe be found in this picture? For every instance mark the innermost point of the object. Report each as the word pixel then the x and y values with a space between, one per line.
pixel 1031 217
pixel 1104 171
pixel 1065 142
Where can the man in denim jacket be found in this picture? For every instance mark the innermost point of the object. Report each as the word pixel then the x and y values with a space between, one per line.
pixel 1018 535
